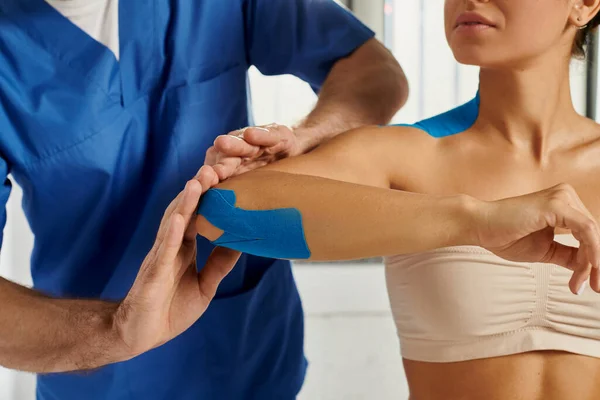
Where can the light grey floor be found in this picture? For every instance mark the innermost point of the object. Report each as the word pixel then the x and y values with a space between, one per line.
pixel 351 339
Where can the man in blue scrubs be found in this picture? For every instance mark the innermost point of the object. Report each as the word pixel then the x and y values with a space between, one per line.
pixel 102 138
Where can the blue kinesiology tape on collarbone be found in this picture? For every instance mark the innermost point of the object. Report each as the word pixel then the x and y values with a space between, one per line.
pixel 451 122
pixel 267 233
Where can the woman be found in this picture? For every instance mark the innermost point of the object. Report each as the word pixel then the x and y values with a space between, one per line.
pixel 471 325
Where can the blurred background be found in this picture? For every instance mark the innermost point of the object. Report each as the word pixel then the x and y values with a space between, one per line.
pixel 350 337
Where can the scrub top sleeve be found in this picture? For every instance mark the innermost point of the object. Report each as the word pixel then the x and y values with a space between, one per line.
pixel 300 37
pixel 5 187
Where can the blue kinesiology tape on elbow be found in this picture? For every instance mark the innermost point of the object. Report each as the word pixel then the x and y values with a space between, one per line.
pixel 267 233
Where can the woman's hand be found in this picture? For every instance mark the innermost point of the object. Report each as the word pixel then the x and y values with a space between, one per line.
pixel 522 229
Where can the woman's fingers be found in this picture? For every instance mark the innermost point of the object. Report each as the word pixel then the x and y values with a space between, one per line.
pixel 595 280
pixel 582 226
pixel 565 256
pixel 582 272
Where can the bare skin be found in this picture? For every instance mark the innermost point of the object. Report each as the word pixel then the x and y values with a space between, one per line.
pixel 419 163
pixel 548 375
pixel 527 137
pixel 537 375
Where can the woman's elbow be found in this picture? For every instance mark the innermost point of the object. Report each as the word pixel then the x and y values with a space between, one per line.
pixel 205 229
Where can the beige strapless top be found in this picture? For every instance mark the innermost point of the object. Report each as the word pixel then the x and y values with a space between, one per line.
pixel 464 303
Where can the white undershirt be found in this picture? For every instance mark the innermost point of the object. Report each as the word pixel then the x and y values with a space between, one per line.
pixel 97 18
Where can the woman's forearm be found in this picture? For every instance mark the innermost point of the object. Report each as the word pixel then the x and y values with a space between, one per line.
pixel 338 220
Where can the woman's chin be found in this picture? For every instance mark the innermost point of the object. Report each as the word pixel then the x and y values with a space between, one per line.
pixel 474 58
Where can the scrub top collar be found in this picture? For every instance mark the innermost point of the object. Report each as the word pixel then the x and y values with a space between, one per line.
pixel 123 81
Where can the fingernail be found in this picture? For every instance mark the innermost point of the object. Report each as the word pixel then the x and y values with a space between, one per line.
pixel 260 128
pixel 581 289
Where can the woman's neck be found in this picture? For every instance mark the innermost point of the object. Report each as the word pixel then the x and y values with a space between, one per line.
pixel 530 107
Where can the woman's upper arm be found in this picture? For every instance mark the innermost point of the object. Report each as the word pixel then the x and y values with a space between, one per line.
pixel 367 156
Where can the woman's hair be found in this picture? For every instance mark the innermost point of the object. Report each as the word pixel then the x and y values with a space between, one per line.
pixel 582 38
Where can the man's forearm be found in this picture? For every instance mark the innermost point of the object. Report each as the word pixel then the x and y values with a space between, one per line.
pixel 41 334
pixel 366 88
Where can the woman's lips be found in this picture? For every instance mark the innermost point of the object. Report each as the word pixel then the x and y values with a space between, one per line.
pixel 472 22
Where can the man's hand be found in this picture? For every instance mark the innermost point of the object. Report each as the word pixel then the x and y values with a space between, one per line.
pixel 169 295
pixel 42 334
pixel 522 229
pixel 365 88
pixel 253 147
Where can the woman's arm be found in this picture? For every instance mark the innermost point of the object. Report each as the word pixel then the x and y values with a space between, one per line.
pixel 335 204
pixel 342 185
pixel 323 219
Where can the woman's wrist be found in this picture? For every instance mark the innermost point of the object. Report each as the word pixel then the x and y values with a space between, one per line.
pixel 467 214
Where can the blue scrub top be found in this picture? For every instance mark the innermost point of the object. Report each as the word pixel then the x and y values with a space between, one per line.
pixel 101 147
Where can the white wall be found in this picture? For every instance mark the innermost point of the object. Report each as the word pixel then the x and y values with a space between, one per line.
pixel 14 265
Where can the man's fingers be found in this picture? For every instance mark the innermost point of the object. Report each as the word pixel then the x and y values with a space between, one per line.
pixel 207 177
pixel 246 147
pixel 189 195
pixel 178 225
pixel 190 234
pixel 234 146
pixel 211 156
pixel 219 264
pixel 169 248
pixel 164 222
pixel 188 202
pixel 266 136
pixel 187 206
pixel 226 167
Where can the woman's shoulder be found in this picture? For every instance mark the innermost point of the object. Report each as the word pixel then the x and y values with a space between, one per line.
pixel 449 123
pixel 423 137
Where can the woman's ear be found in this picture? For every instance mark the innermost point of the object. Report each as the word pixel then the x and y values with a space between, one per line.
pixel 583 11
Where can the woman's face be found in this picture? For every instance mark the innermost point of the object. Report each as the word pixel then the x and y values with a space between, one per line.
pixel 505 33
